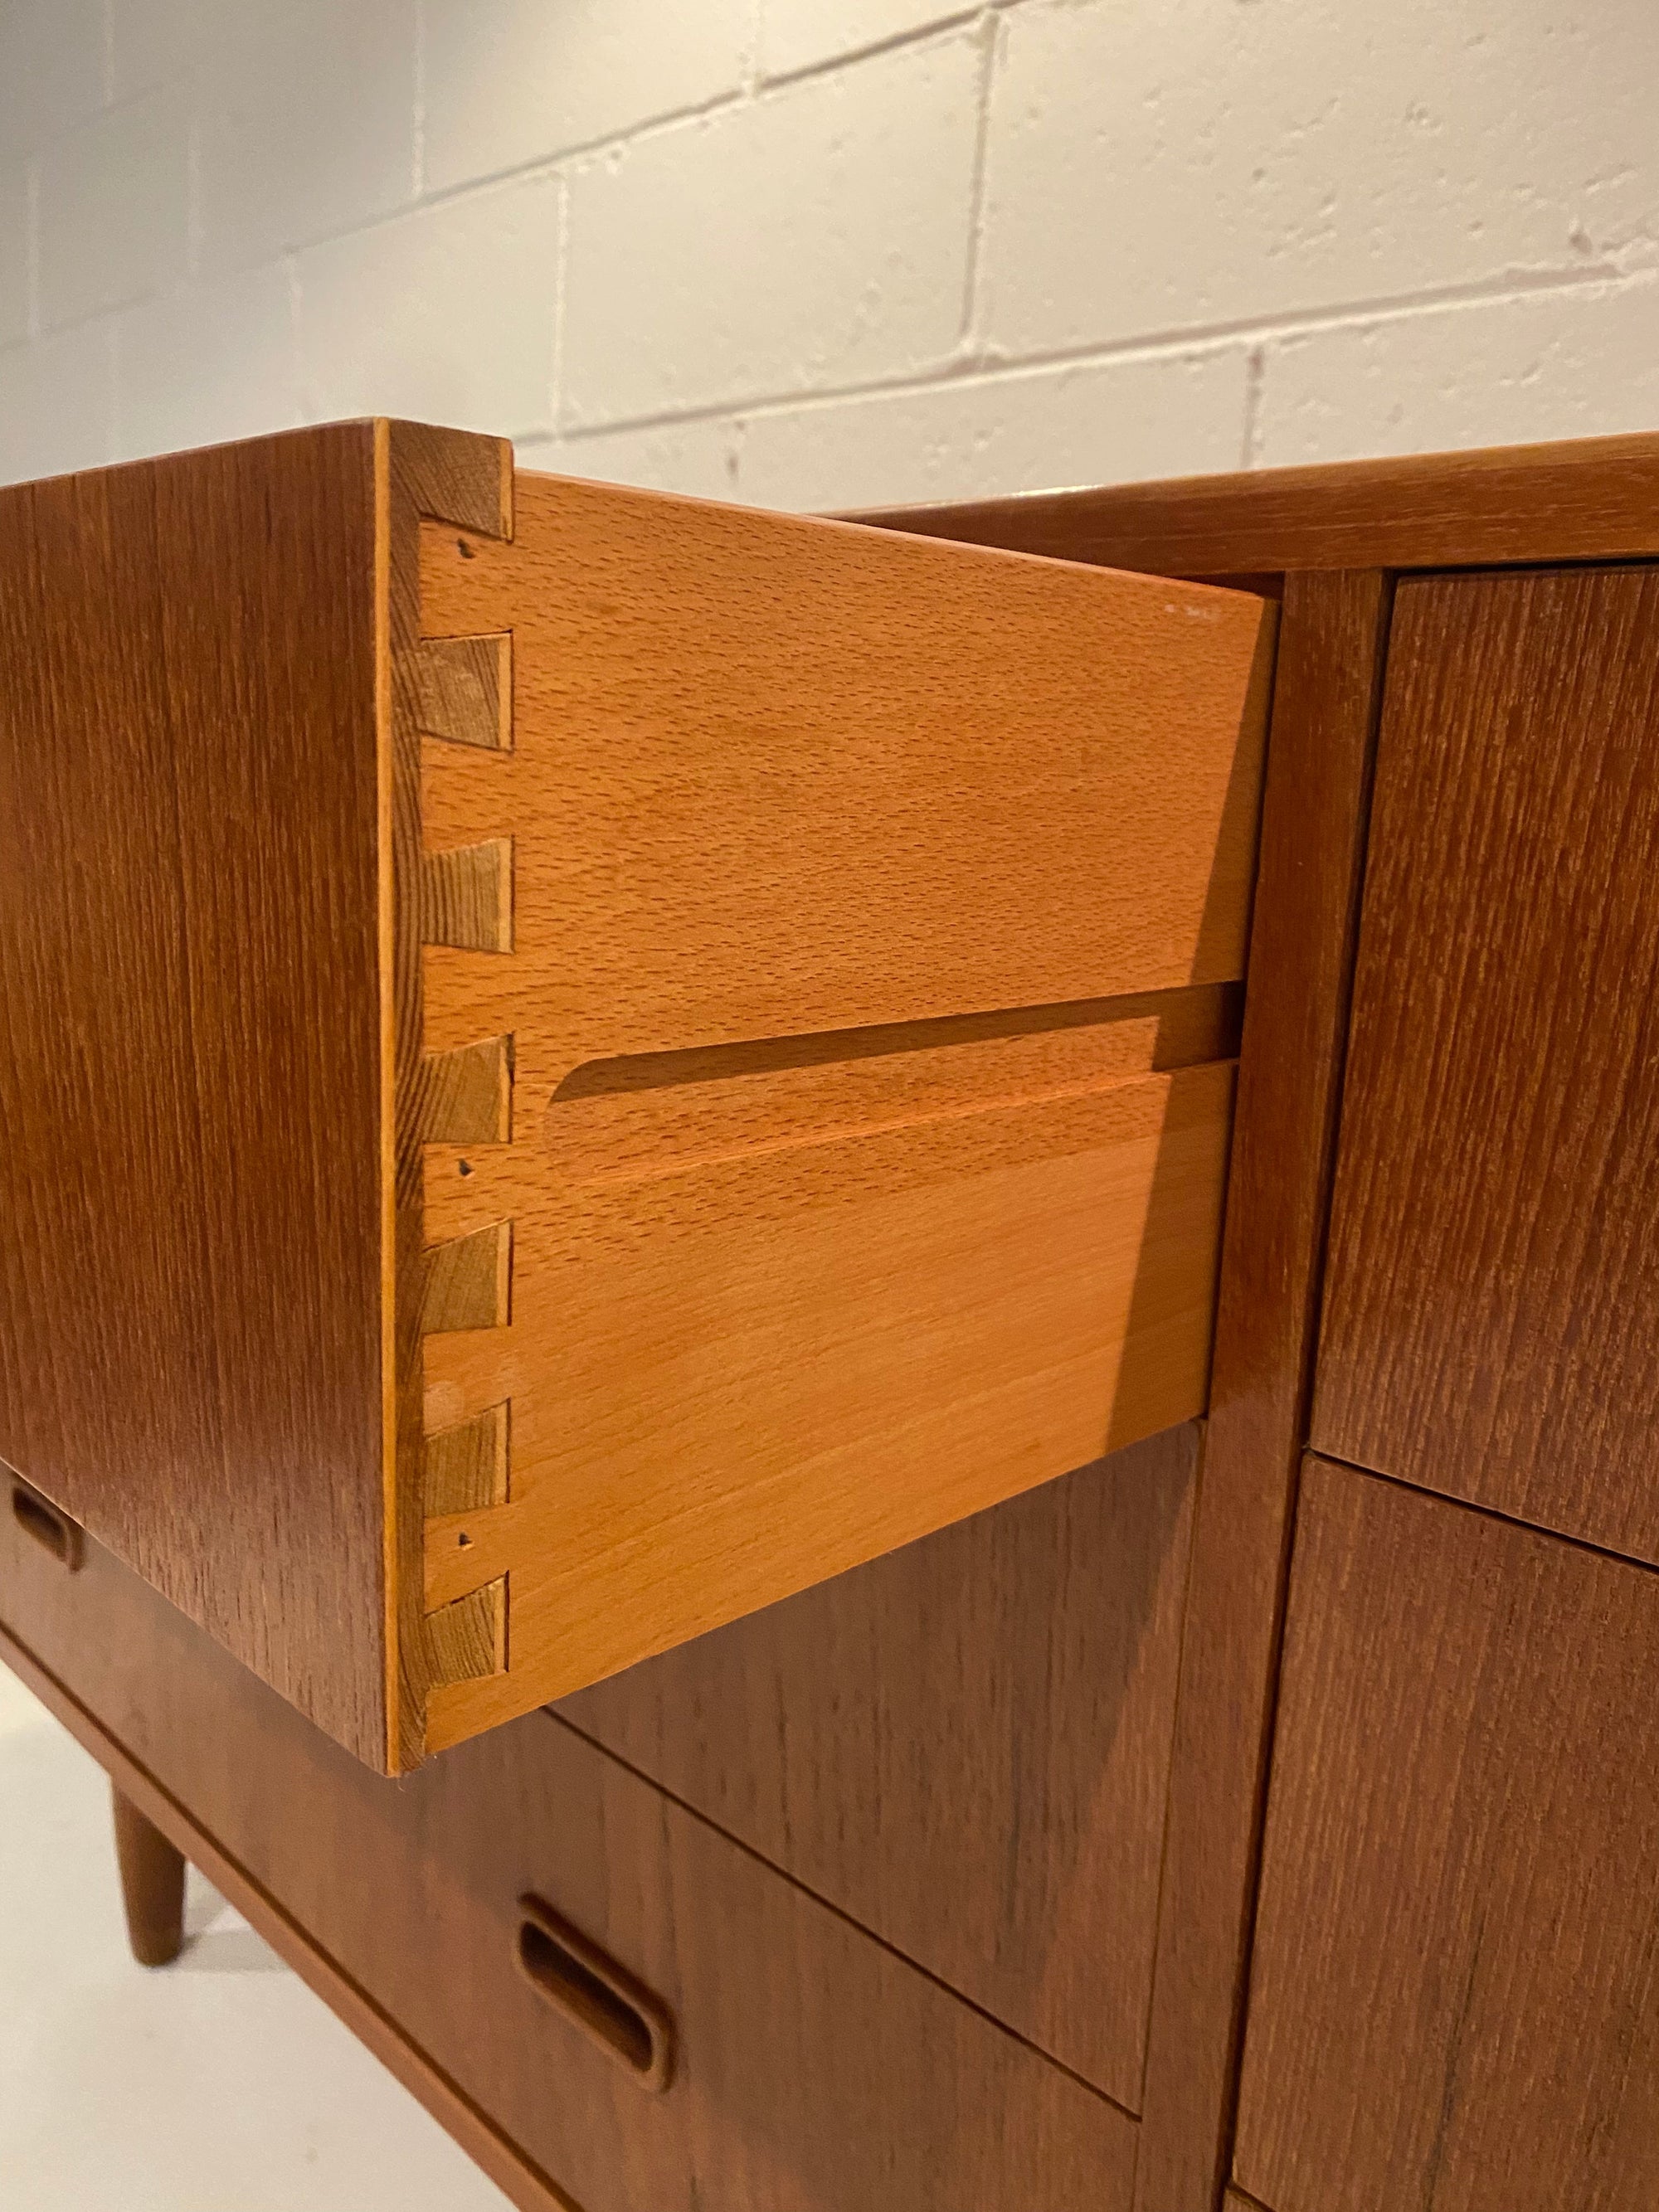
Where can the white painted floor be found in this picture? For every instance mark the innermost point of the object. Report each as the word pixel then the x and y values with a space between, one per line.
pixel 219 2084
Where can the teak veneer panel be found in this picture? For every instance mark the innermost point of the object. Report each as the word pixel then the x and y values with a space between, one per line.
pixel 965 1746
pixel 755 1022
pixel 189 1025
pixel 1492 1317
pixel 814 2071
pixel 1452 2001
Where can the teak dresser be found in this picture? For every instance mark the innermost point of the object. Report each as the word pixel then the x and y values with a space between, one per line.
pixel 917 1258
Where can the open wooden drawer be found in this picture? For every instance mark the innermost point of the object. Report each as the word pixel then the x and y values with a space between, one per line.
pixel 574 1062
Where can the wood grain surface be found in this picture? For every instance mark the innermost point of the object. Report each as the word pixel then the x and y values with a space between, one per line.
pixel 514 2174
pixel 1453 2003
pixel 814 2070
pixel 855 1172
pixel 1492 1323
pixel 1592 498
pixel 379 882
pixel 964 1745
pixel 1333 640
pixel 773 775
pixel 190 1166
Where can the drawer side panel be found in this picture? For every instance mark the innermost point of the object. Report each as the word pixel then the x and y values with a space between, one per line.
pixel 861 928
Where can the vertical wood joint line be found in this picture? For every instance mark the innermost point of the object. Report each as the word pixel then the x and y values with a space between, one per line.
pixel 1369 682
pixel 1327 708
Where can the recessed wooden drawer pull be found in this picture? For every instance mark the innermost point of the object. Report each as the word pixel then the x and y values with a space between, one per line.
pixel 596 1994
pixel 52 1530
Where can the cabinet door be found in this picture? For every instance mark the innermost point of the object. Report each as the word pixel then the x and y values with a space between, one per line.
pixel 1454 2005
pixel 1492 1317
pixel 578 1062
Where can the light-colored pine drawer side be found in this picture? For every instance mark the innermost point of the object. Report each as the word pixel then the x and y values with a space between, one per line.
pixel 829 968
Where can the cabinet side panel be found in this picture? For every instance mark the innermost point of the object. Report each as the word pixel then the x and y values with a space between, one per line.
pixel 189 1041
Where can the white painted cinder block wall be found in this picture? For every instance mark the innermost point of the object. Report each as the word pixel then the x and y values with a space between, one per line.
pixel 826 252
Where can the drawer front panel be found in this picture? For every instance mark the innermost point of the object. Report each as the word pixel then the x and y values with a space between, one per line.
pixel 965 1746
pixel 1452 2001
pixel 808 2069
pixel 1491 1318
pixel 190 1201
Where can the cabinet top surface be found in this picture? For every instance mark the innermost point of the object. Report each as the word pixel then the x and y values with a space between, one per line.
pixel 1584 499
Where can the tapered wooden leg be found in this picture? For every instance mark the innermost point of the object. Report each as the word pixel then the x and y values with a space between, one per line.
pixel 152 1886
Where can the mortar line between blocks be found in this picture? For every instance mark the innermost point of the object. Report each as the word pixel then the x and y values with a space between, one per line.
pixel 585 151
pixel 983 366
pixel 990 34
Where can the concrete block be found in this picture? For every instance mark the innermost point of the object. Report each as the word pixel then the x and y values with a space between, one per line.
pixel 448 314
pixel 216 362
pixel 51 70
pixel 803 34
pixel 1579 362
pixel 819 237
pixel 154 42
pixel 114 209
pixel 1205 165
pixel 307 124
pixel 508 83
pixel 699 457
pixel 16 256
pixel 1114 421
pixel 57 397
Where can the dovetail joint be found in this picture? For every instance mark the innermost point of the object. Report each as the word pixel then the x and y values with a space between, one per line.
pixel 462 692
